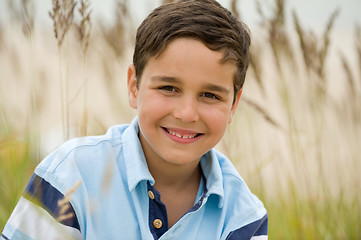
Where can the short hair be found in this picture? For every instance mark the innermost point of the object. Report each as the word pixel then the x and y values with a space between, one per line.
pixel 204 20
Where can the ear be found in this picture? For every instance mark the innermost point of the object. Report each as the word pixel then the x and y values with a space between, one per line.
pixel 234 106
pixel 132 86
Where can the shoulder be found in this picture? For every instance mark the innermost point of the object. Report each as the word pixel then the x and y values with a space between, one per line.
pixel 232 180
pixel 58 193
pixel 224 177
pixel 83 147
pixel 243 209
pixel 79 157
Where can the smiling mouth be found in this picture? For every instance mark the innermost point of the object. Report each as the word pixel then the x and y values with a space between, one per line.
pixel 182 133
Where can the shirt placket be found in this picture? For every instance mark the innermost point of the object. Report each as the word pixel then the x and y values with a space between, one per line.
pixel 158 219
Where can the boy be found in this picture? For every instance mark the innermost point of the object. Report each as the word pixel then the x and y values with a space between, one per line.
pixel 159 177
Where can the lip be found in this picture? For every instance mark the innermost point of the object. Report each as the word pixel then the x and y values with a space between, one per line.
pixel 188 136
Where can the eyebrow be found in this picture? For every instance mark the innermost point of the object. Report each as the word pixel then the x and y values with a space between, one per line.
pixel 216 88
pixel 166 79
pixel 207 86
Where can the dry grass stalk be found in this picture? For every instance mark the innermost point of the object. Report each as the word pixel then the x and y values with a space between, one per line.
pixel 307 44
pixel 84 30
pixel 64 204
pixel 315 50
pixel 358 48
pixel 1 35
pixel 263 112
pixel 277 32
pixel 85 25
pixel 62 15
pixel 255 64
pixel 107 179
pixel 115 36
pixel 27 12
pixel 22 12
pixel 234 9
pixel 326 38
pixel 349 76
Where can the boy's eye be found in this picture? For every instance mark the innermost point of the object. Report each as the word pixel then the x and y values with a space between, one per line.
pixel 210 96
pixel 168 88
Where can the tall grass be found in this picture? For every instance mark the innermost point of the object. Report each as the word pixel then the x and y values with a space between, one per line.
pixel 293 139
pixel 305 167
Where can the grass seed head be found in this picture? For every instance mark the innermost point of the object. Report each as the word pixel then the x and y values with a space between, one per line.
pixel 85 25
pixel 62 16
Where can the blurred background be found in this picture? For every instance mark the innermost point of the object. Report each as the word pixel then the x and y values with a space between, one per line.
pixel 297 132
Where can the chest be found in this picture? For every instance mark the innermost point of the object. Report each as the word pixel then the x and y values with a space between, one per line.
pixel 177 217
pixel 177 204
pixel 141 215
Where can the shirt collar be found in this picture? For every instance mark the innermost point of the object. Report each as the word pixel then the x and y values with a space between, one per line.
pixel 136 165
pixel 213 174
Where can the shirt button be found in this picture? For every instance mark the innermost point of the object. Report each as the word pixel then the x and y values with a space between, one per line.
pixel 157 223
pixel 151 194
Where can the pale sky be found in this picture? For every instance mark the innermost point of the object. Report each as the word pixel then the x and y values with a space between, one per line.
pixel 313 13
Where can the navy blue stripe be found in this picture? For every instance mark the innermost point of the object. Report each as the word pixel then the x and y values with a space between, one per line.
pixel 3 236
pixel 263 229
pixel 257 228
pixel 44 193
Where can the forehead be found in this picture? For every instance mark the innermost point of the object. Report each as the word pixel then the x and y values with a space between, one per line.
pixel 185 40
pixel 188 58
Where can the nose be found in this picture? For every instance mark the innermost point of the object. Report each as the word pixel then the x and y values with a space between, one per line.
pixel 186 110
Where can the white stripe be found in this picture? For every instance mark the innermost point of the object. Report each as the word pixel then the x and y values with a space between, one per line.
pixel 261 237
pixel 38 224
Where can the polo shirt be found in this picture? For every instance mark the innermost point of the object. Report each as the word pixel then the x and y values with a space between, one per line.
pixel 99 187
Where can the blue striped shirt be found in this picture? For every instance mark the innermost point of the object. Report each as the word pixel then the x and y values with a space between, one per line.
pixel 100 188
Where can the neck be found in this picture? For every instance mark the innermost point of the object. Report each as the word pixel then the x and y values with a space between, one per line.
pixel 174 176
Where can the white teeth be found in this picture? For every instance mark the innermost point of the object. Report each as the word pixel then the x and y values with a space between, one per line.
pixel 180 136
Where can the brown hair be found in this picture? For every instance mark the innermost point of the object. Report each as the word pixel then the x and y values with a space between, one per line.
pixel 204 20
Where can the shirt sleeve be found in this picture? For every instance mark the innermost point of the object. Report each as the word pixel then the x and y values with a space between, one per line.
pixel 257 230
pixel 43 212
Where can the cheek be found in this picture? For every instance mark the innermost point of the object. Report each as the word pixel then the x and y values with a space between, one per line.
pixel 216 118
pixel 152 106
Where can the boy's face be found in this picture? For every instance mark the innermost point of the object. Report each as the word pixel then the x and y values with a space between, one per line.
pixel 184 102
